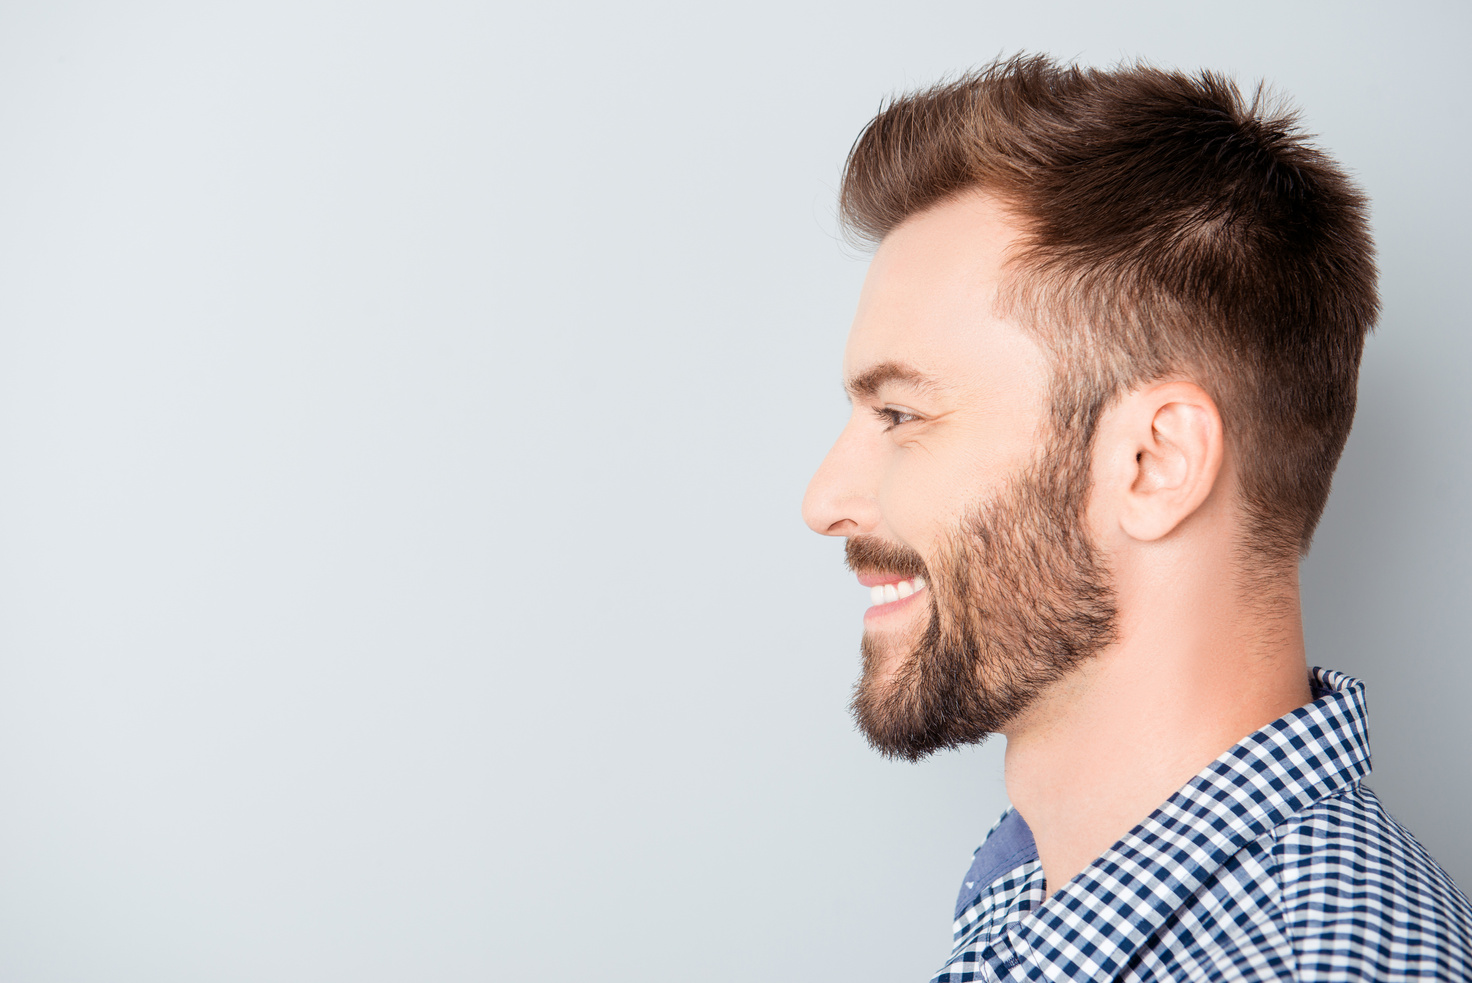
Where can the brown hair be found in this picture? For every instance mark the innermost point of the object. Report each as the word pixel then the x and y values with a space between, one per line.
pixel 1168 227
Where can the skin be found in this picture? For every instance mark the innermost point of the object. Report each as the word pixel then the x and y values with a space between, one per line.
pixel 949 401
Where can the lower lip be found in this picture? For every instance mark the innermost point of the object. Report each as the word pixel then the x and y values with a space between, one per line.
pixel 880 611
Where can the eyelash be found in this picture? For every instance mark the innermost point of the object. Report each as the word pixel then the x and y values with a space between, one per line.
pixel 890 416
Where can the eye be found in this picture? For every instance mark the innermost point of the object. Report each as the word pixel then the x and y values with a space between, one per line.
pixel 894 416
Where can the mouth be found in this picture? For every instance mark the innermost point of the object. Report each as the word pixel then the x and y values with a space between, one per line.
pixel 889 592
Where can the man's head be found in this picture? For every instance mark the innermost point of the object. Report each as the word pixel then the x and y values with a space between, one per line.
pixel 1052 241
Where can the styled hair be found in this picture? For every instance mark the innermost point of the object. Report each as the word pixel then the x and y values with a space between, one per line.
pixel 1168 226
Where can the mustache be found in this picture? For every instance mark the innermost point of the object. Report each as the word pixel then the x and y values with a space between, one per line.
pixel 869 554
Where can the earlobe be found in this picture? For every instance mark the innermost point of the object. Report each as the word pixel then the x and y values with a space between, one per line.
pixel 1176 432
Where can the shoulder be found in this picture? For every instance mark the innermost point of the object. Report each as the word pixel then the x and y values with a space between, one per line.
pixel 1360 894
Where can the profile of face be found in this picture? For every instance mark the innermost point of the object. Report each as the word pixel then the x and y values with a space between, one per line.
pixel 964 511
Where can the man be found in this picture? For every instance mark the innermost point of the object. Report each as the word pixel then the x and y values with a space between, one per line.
pixel 1102 369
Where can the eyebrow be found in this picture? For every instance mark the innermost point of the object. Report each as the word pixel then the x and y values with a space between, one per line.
pixel 866 384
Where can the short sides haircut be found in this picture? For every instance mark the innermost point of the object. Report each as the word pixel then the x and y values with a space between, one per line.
pixel 1169 226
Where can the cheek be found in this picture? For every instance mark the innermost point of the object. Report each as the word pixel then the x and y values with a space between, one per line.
pixel 923 500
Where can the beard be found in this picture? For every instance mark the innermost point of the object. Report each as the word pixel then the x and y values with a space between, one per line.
pixel 1019 598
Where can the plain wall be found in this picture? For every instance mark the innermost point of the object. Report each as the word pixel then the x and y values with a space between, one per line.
pixel 404 412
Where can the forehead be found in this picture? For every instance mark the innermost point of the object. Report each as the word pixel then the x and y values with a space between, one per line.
pixel 928 298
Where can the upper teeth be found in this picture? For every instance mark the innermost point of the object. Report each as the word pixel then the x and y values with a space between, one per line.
pixel 885 593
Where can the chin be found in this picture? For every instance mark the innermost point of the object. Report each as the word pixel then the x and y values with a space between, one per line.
pixel 886 656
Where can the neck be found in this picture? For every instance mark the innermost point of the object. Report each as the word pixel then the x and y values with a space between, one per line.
pixel 1193 673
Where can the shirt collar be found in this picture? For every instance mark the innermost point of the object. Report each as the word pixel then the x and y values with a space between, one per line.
pixel 1092 927
pixel 1008 846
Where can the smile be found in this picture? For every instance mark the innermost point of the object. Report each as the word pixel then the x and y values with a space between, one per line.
pixel 888 593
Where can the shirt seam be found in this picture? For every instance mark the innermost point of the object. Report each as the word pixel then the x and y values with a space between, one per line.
pixel 1280 867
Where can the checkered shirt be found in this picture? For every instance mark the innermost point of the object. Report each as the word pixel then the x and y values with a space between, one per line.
pixel 1273 863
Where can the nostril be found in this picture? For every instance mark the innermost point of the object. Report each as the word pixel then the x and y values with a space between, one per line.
pixel 843 527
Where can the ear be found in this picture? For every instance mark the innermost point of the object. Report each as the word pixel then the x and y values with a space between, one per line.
pixel 1163 457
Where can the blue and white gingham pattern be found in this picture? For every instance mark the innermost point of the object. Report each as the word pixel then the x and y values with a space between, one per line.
pixel 1273 863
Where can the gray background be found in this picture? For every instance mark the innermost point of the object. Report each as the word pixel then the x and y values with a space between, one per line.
pixel 404 411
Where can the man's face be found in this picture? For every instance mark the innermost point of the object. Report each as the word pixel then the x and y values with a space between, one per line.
pixel 962 518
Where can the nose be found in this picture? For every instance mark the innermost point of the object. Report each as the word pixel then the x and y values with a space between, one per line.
pixel 840 498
